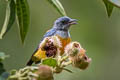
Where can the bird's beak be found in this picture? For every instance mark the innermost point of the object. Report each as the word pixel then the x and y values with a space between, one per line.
pixel 73 21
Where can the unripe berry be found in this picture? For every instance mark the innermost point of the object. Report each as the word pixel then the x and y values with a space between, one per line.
pixel 44 73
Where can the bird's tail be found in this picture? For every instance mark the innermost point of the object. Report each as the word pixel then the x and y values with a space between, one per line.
pixel 29 63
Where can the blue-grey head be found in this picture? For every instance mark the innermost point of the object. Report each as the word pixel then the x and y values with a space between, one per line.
pixel 64 23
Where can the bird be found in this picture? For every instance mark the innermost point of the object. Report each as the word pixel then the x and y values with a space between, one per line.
pixel 60 29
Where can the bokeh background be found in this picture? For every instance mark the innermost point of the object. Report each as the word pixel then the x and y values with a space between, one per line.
pixel 97 33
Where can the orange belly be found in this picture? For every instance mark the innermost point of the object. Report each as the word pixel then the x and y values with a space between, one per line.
pixel 64 42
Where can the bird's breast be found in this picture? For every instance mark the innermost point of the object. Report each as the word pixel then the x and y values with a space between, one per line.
pixel 65 39
pixel 64 42
pixel 63 34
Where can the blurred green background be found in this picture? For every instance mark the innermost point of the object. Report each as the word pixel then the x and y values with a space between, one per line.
pixel 97 33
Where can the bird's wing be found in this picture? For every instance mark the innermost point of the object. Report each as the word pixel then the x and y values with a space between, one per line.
pixel 50 33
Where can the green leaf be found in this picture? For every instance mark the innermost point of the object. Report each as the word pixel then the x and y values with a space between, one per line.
pixel 13 72
pixel 115 3
pixel 22 10
pixel 109 7
pixel 1 68
pixel 9 19
pixel 58 6
pixel 2 56
pixel 50 62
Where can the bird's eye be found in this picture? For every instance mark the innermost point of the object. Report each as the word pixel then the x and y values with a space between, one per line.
pixel 64 22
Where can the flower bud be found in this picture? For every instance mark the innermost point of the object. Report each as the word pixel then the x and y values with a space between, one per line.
pixel 51 45
pixel 77 55
pixel 81 61
pixel 44 73
pixel 53 39
pixel 73 49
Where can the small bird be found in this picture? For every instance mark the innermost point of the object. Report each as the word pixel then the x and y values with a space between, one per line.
pixel 61 30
